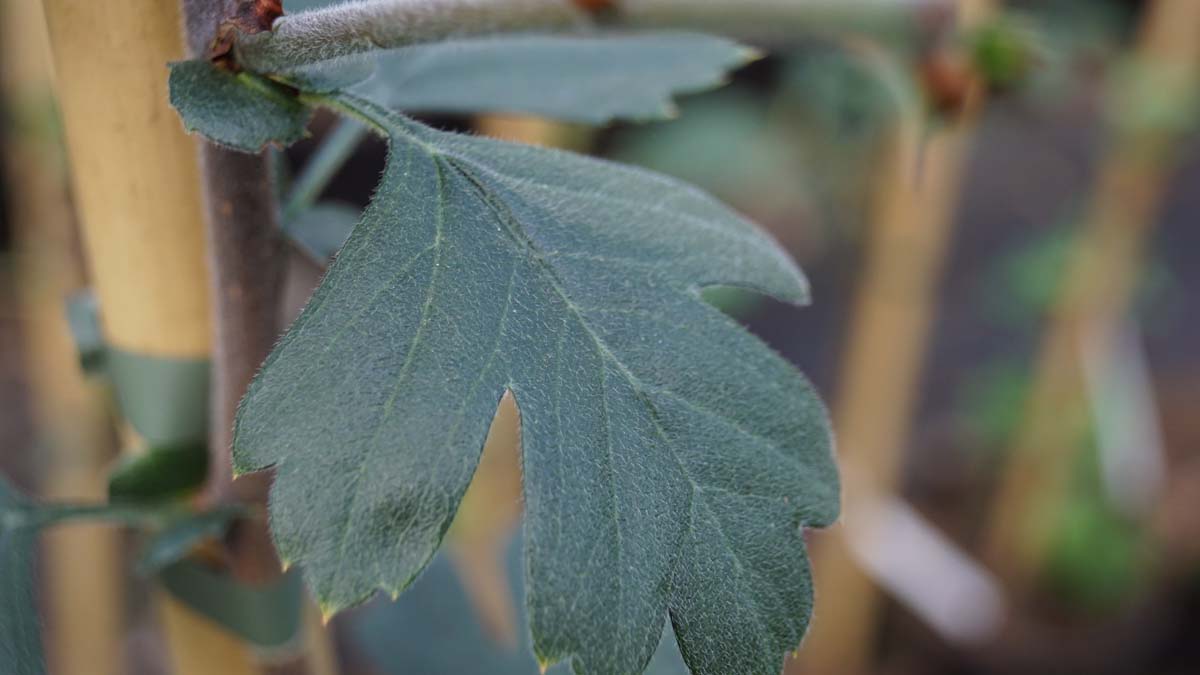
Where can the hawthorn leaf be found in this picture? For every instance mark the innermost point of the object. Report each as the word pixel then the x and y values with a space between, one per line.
pixel 589 79
pixel 20 633
pixel 670 459
pixel 242 111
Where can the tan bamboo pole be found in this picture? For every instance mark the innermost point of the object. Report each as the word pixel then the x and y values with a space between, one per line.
pixel 137 189
pixel 1100 278
pixel 81 579
pixel 917 195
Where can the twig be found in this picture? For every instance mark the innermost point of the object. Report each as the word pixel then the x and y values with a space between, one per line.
pixel 367 25
pixel 357 27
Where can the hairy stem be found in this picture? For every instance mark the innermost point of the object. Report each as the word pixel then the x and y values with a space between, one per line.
pixel 245 248
pixel 366 25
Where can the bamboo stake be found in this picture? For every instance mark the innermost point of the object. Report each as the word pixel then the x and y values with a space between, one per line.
pixel 134 172
pixel 917 195
pixel 82 577
pixel 1100 280
pixel 137 188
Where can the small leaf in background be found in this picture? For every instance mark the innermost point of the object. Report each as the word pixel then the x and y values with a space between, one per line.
pixel 582 79
pixel 722 144
pixel 434 629
pixel 241 111
pixel 1022 286
pixel 670 459
pixel 180 535
pixel 20 632
pixel 159 474
pixel 322 229
pixel 83 318
pixel 1096 556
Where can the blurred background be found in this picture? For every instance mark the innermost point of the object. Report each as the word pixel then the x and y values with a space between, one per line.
pixel 998 206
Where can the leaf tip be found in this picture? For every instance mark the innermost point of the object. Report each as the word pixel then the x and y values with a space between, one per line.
pixel 750 54
pixel 327 614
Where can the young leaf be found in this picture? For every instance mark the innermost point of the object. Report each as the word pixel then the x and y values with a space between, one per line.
pixel 670 459
pixel 582 79
pixel 242 111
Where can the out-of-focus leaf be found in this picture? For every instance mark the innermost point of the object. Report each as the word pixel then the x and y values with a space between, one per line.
pixel 20 638
pixel 243 111
pixel 434 629
pixel 1096 555
pixel 182 534
pixel 1026 284
pixel 671 460
pixel 583 79
pixel 722 144
pixel 159 474
pixel 322 229
pixel 83 319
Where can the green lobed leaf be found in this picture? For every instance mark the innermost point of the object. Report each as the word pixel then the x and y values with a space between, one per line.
pixel 577 78
pixel 20 633
pixel 670 459
pixel 242 111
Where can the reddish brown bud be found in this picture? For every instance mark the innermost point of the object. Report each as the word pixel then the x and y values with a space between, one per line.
pixel 596 6
pixel 249 17
pixel 947 82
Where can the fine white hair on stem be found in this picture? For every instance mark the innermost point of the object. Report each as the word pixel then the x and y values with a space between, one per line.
pixel 365 25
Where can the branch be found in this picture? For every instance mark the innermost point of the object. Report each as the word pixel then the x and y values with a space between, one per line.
pixel 245 252
pixel 367 25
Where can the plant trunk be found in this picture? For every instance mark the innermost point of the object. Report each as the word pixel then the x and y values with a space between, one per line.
pixel 247 263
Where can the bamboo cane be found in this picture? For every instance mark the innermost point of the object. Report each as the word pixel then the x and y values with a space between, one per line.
pixel 1099 281
pixel 81 578
pixel 917 195
pixel 137 188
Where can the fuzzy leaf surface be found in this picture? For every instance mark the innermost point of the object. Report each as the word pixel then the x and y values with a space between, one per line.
pixel 576 78
pixel 241 111
pixel 670 459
